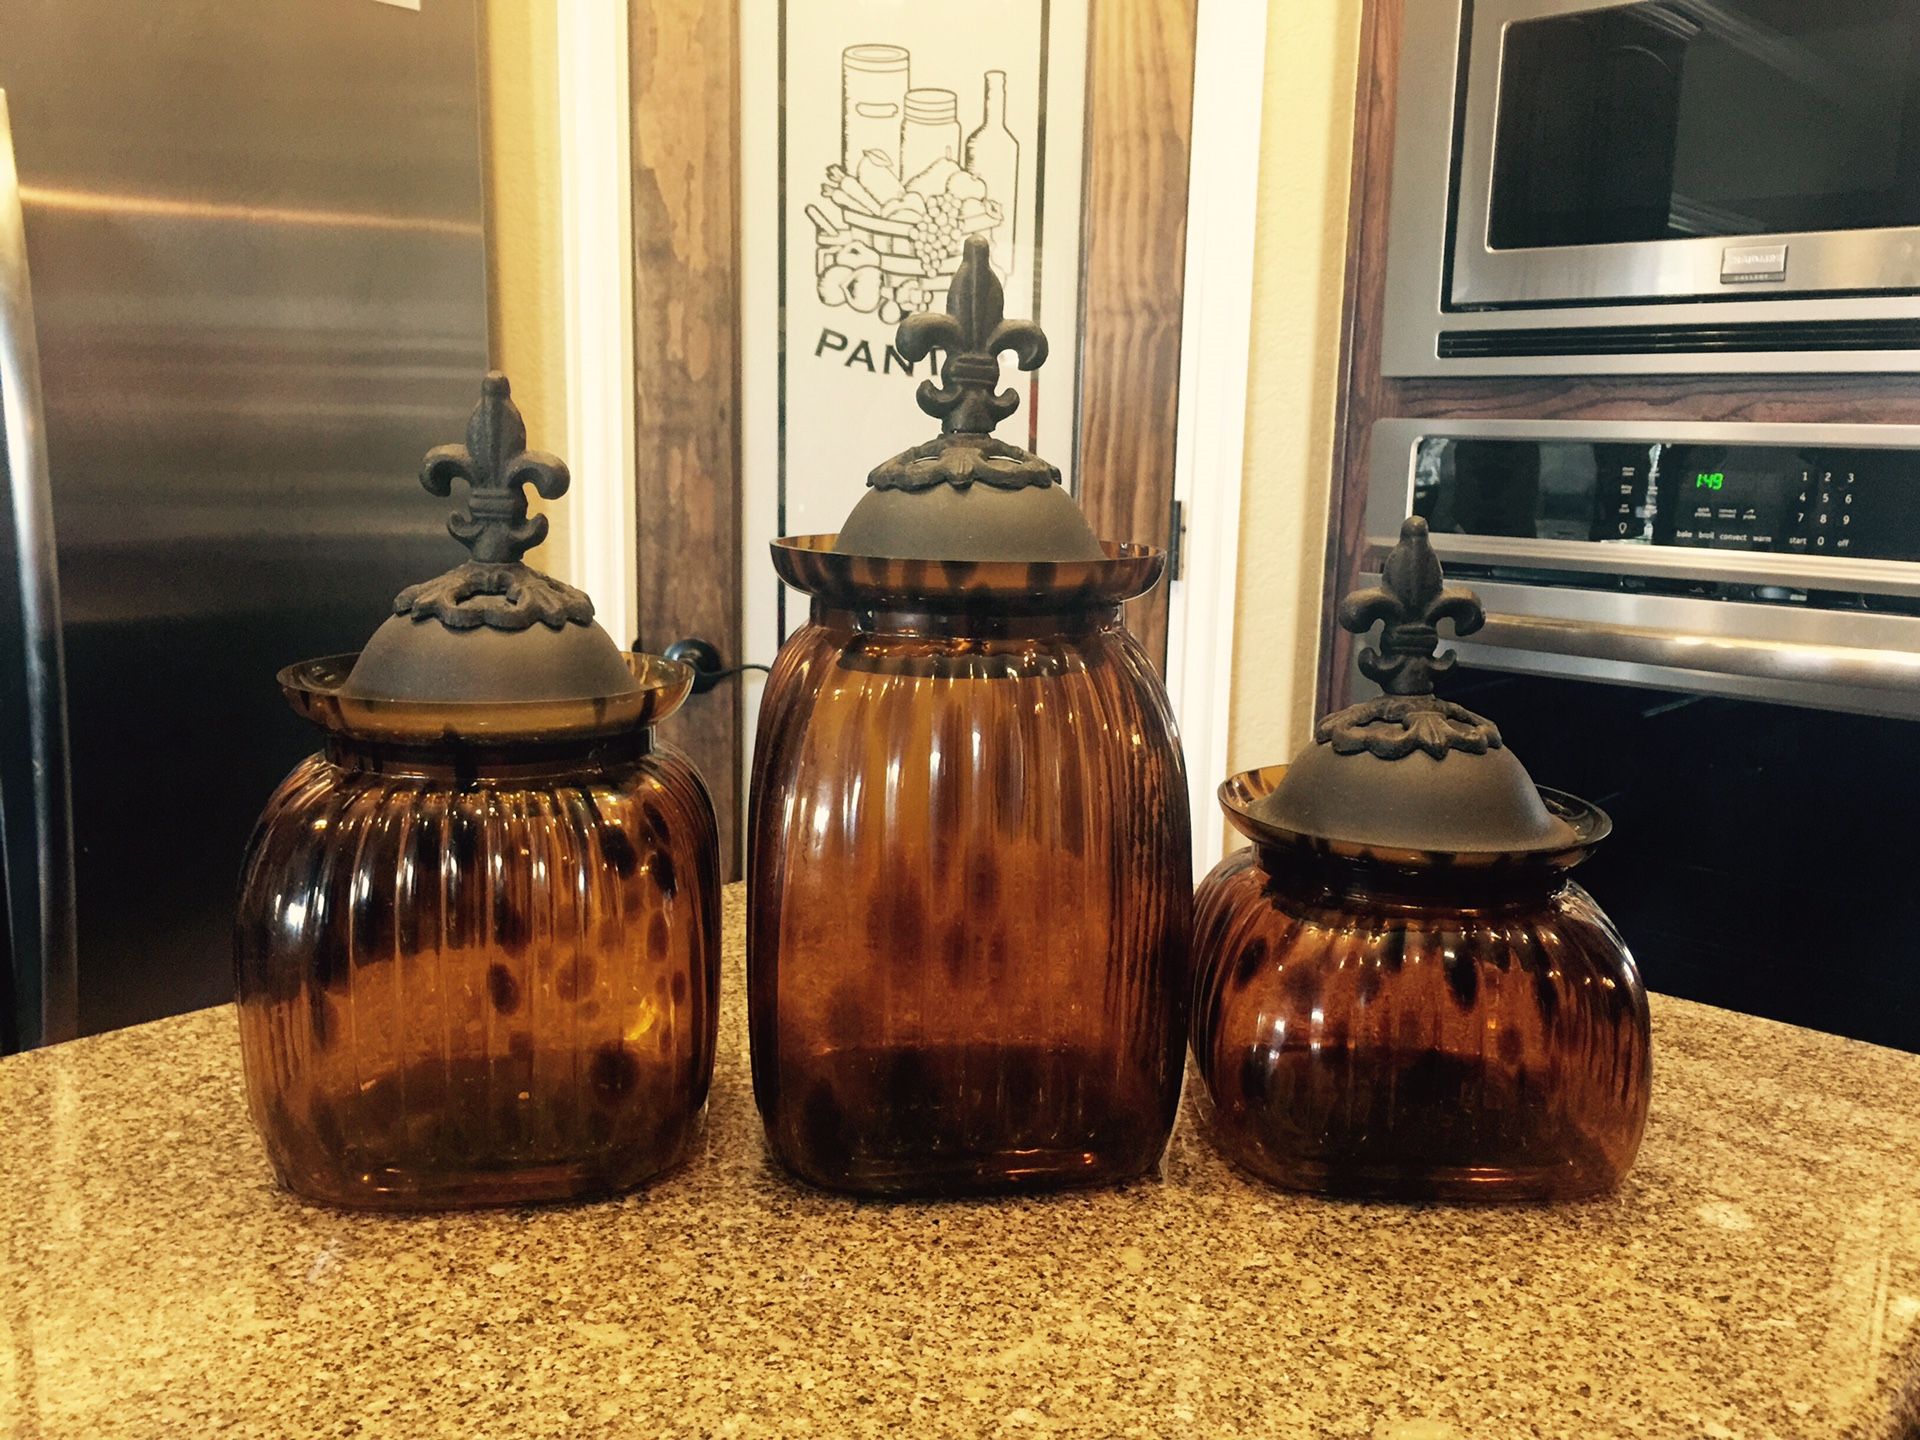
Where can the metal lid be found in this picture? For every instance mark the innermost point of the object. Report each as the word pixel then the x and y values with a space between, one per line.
pixel 966 495
pixel 492 629
pixel 1408 770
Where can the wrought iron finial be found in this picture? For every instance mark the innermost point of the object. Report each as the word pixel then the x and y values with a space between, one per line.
pixel 493 588
pixel 1410 603
pixel 973 333
pixel 495 463
pixel 967 400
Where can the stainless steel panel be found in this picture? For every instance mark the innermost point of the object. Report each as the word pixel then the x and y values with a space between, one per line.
pixel 1824 660
pixel 1865 664
pixel 1797 572
pixel 1851 666
pixel 1420 237
pixel 39 983
pixel 1390 499
pixel 1859 661
pixel 256 242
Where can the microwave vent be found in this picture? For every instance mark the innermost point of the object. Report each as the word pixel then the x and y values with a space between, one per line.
pixel 1809 336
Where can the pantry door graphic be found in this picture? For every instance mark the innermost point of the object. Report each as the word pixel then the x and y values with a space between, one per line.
pixel 876 136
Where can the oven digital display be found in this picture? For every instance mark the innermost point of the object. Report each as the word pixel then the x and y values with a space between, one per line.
pixel 1846 503
pixel 1732 497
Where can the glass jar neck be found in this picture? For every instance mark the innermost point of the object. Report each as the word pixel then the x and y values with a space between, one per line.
pixel 983 624
pixel 461 762
pixel 1336 882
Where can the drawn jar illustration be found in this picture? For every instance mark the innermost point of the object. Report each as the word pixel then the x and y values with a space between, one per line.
pixel 477 948
pixel 894 214
pixel 873 94
pixel 970 883
pixel 1399 991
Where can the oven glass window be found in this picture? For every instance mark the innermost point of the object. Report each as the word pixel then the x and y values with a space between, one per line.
pixel 1683 118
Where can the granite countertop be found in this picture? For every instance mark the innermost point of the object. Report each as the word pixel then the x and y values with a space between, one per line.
pixel 1758 1275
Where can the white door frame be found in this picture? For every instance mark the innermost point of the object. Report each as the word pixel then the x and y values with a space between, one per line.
pixel 596 260
pixel 1229 78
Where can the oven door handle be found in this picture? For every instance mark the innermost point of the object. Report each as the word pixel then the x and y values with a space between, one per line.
pixel 1847 665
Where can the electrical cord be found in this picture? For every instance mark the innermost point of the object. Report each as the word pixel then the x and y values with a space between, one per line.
pixel 704 659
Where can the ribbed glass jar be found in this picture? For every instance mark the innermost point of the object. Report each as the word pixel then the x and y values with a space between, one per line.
pixel 482 972
pixel 1413 1025
pixel 968 921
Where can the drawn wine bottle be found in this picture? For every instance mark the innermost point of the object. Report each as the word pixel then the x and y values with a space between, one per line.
pixel 994 155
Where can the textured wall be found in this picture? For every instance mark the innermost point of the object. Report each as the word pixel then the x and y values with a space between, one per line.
pixel 1305 152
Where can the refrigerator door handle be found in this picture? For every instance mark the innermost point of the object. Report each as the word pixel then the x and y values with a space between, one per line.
pixel 36 807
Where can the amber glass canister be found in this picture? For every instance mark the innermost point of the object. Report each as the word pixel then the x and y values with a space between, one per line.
pixel 477 949
pixel 1398 990
pixel 970 882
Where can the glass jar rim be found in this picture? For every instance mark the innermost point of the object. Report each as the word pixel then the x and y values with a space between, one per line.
pixel 810 563
pixel 1589 823
pixel 313 689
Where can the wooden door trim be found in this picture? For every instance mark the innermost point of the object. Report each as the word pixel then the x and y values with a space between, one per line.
pixel 684 397
pixel 1133 266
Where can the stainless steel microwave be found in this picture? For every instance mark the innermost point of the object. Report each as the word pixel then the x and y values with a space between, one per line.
pixel 1677 185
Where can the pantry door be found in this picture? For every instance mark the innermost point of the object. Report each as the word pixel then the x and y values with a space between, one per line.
pixel 866 139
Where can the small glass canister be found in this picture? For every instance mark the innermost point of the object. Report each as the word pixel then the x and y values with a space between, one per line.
pixel 477 949
pixel 1398 991
pixel 970 875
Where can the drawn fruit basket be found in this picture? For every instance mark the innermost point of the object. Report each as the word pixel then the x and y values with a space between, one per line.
pixel 887 248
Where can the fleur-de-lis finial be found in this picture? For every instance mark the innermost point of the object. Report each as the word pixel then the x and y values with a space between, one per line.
pixel 1412 599
pixel 495 463
pixel 973 333
pixel 493 589
pixel 968 400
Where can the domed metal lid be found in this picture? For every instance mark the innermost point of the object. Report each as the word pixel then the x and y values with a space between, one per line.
pixel 966 495
pixel 492 629
pixel 1409 771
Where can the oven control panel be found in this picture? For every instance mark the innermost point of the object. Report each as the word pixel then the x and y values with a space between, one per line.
pixel 1842 502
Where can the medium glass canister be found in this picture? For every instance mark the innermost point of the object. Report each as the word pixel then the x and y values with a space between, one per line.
pixel 1399 991
pixel 970 864
pixel 477 948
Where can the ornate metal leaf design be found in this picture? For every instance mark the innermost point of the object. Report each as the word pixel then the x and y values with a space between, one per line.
pixel 499 596
pixel 1393 726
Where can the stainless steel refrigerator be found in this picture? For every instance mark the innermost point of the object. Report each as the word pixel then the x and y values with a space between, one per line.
pixel 245 248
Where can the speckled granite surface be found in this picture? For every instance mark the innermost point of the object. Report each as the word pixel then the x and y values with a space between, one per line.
pixel 1758 1276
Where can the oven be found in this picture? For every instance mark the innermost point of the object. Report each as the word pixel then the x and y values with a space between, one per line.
pixel 1712 631
pixel 1595 185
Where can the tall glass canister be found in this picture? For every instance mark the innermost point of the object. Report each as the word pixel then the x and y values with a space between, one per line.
pixel 970 872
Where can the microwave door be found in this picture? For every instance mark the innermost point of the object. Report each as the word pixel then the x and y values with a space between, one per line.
pixel 1687 149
